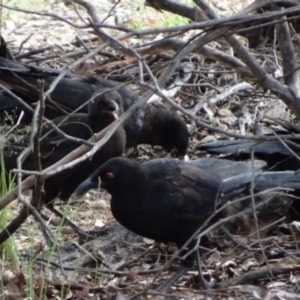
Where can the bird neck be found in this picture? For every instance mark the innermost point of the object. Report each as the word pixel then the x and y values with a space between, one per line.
pixel 102 120
pixel 126 189
pixel 125 201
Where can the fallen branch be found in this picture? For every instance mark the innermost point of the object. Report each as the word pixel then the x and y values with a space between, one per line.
pixel 256 275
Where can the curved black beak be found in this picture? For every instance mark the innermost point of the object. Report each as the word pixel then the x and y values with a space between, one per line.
pixel 115 109
pixel 115 105
pixel 85 186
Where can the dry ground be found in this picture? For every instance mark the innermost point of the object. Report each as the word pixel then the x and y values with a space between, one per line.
pixel 94 210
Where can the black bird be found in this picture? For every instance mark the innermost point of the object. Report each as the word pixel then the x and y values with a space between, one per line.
pixel 160 126
pixel 4 51
pixel 54 147
pixel 281 161
pixel 167 199
pixel 72 92
pixel 163 127
pixel 147 125
pixel 7 102
pixel 274 152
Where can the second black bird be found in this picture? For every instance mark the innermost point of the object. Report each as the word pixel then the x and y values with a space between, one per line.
pixel 54 147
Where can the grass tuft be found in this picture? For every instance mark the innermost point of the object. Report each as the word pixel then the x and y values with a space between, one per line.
pixel 8 249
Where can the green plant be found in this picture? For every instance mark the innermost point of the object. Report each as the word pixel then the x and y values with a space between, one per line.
pixel 8 249
pixel 174 20
pixel 138 24
pixel 18 17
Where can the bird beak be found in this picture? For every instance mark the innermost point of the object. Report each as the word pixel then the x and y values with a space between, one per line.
pixel 85 186
pixel 115 109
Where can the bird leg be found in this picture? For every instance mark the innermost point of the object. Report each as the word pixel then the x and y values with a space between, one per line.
pixel 180 272
pixel 183 269
pixel 203 285
pixel 82 235
pixel 45 230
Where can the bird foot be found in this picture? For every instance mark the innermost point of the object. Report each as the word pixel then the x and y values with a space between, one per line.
pixel 86 236
pixel 202 283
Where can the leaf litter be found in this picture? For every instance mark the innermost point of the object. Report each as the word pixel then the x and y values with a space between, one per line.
pixel 119 263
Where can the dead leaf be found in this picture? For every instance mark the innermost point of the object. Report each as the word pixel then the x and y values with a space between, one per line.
pixel 84 293
pixel 133 274
pixel 224 112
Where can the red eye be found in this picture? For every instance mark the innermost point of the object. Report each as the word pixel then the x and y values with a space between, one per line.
pixel 109 175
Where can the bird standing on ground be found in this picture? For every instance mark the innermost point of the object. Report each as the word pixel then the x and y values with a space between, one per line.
pixel 165 199
pixel 168 200
pixel 54 147
pixel 149 125
pixel 165 128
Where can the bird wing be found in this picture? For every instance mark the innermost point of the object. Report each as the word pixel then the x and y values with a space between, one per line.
pixel 244 146
pixel 225 168
pixel 196 191
pixel 55 146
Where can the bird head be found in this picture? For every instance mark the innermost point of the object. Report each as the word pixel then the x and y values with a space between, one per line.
pixel 106 101
pixel 112 176
pixel 175 135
